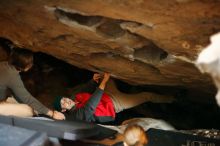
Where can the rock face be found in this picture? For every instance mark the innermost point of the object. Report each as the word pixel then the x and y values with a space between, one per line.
pixel 140 42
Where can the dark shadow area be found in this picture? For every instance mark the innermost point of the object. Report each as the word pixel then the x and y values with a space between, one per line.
pixel 50 65
pixel 182 115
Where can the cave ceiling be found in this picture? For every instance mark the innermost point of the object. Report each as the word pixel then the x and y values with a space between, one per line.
pixel 142 42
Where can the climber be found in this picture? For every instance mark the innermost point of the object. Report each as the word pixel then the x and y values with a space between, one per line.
pixel 89 102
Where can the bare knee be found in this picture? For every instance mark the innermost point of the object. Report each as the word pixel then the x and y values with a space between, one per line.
pixel 20 110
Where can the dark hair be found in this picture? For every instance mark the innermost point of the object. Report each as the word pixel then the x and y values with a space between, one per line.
pixel 21 58
pixel 56 103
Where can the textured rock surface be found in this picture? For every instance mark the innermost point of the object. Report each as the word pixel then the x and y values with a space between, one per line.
pixel 140 42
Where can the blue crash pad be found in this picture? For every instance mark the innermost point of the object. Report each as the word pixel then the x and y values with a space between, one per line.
pixel 15 136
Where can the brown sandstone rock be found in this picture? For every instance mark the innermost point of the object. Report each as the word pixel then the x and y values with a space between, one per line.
pixel 140 42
